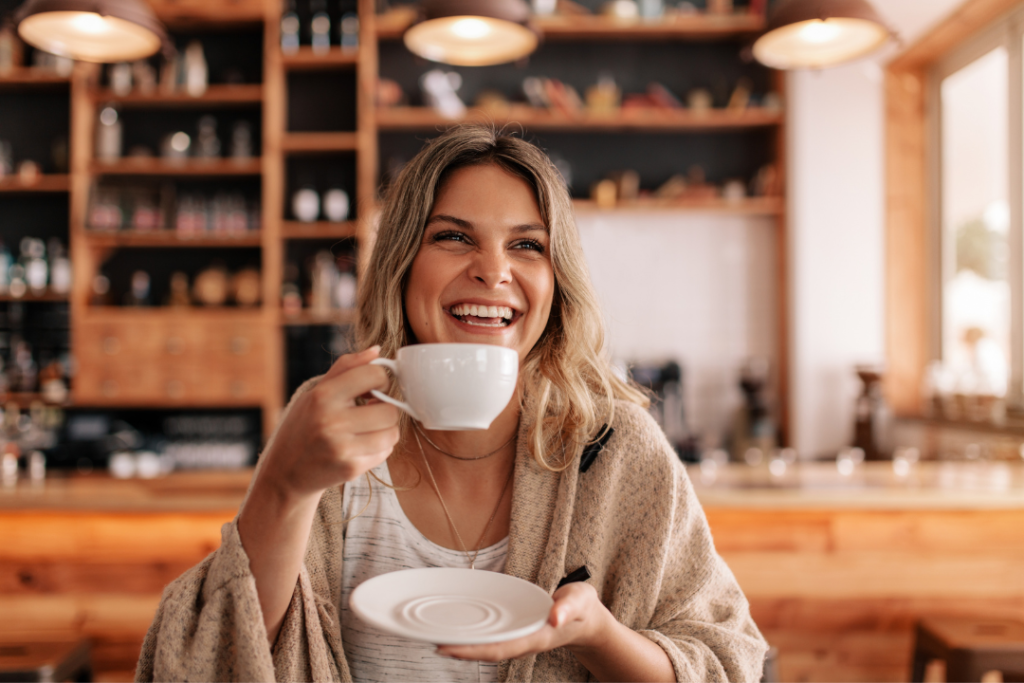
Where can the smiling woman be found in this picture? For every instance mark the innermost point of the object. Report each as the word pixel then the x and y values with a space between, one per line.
pixel 572 488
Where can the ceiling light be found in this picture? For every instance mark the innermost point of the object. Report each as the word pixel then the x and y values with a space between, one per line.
pixel 812 34
pixel 472 32
pixel 92 30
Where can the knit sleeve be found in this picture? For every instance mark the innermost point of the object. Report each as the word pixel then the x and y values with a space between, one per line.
pixel 704 625
pixel 209 626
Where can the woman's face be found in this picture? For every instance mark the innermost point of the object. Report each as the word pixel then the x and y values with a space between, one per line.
pixel 483 272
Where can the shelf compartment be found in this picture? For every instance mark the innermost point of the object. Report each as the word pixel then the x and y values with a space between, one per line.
pixel 634 120
pixel 391 26
pixel 750 206
pixel 32 76
pixel 153 166
pixel 297 230
pixel 169 238
pixel 215 95
pixel 319 142
pixel 307 318
pixel 47 182
pixel 307 59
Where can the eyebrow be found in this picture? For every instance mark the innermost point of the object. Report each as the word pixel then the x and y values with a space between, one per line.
pixel 462 223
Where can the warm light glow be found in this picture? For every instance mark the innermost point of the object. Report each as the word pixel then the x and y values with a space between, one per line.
pixel 461 40
pixel 180 141
pixel 819 32
pixel 88 37
pixel 471 28
pixel 89 22
pixel 815 44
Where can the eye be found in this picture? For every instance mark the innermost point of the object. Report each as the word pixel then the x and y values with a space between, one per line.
pixel 529 244
pixel 449 236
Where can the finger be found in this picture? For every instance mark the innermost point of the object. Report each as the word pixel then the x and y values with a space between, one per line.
pixel 369 418
pixel 570 603
pixel 355 446
pixel 351 360
pixel 495 652
pixel 342 390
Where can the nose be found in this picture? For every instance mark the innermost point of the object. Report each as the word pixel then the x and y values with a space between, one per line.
pixel 491 267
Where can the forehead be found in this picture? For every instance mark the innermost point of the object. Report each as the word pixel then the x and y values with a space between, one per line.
pixel 487 190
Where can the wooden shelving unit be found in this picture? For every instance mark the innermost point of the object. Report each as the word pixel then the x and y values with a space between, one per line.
pixel 701 26
pixel 28 399
pixel 308 60
pixel 294 230
pixel 31 76
pixel 46 297
pixel 635 120
pixel 307 318
pixel 247 94
pixel 320 142
pixel 50 182
pixel 155 166
pixel 169 238
pixel 750 206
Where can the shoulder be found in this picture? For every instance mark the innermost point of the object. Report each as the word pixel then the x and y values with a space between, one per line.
pixel 638 441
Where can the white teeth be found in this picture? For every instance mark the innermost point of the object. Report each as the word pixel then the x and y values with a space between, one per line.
pixel 482 311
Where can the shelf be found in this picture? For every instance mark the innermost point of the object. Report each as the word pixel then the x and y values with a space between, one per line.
pixel 648 119
pixel 391 26
pixel 295 230
pixel 215 95
pixel 154 166
pixel 52 182
pixel 48 297
pixel 31 76
pixel 308 318
pixel 319 142
pixel 750 206
pixel 170 238
pixel 25 399
pixel 129 314
pixel 308 60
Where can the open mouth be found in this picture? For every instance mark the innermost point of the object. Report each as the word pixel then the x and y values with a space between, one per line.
pixel 484 316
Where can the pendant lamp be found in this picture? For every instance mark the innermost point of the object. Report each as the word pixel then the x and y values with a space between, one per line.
pixel 813 34
pixel 472 32
pixel 92 30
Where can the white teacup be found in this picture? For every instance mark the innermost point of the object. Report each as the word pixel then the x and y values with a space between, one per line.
pixel 453 387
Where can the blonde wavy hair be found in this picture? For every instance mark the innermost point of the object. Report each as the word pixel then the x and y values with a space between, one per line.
pixel 567 381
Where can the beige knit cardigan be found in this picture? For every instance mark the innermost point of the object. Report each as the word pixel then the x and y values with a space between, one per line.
pixel 632 518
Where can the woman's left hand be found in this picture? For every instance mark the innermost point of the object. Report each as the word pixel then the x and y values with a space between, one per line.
pixel 576 620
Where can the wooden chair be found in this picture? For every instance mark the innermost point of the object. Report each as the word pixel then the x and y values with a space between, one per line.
pixel 970 648
pixel 45 662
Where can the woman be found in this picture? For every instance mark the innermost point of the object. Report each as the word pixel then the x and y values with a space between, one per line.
pixel 477 243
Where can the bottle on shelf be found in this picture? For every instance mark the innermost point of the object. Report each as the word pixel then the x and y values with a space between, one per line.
pixel 5 268
pixel 138 295
pixel 196 70
pixel 319 26
pixel 241 140
pixel 336 205
pixel 207 142
pixel 348 27
pixel 290 29
pixel 60 268
pixel 306 203
pixel 109 135
pixel 120 75
pixel 37 273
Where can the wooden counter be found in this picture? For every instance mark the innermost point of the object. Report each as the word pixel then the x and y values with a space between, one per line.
pixel 836 568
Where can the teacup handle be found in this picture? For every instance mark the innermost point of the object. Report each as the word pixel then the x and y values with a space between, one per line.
pixel 393 367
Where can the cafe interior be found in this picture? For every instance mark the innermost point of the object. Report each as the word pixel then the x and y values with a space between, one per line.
pixel 804 221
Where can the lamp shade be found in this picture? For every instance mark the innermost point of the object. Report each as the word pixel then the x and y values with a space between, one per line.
pixel 92 30
pixel 472 32
pixel 809 34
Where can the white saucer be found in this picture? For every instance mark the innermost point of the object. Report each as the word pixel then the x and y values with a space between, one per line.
pixel 452 606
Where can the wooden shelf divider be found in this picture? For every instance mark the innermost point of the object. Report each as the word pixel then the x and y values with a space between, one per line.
pixel 216 95
pixel 308 317
pixel 638 120
pixel 32 76
pixel 295 230
pixel 308 60
pixel 169 238
pixel 749 206
pixel 319 142
pixel 697 26
pixel 156 166
pixel 47 182
pixel 46 297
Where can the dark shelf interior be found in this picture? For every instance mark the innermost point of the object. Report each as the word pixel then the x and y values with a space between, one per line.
pixel 311 350
pixel 36 123
pixel 322 101
pixel 33 215
pixel 148 127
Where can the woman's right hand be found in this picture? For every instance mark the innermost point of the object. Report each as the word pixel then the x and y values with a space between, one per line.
pixel 326 439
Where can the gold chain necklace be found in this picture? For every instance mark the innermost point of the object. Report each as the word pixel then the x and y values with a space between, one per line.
pixel 458 536
pixel 459 457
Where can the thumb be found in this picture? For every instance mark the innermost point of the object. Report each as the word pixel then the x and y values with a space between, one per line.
pixel 352 360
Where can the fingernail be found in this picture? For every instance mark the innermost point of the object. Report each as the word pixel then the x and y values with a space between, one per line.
pixel 375 347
